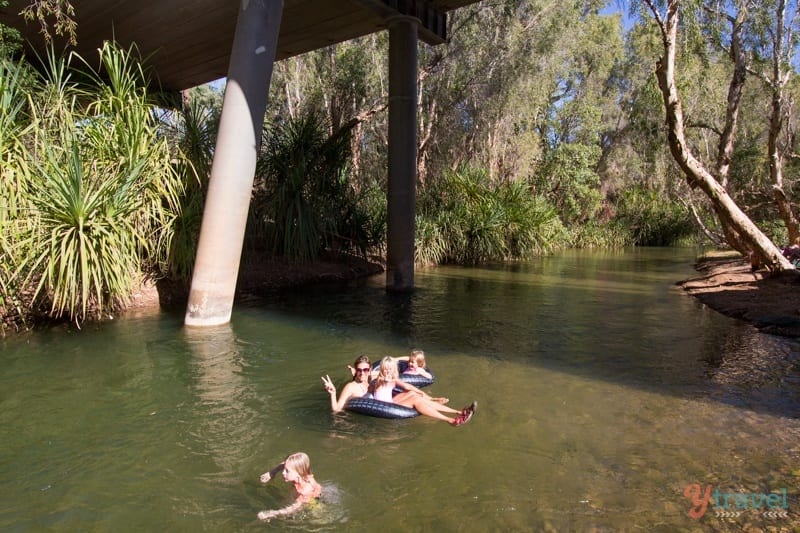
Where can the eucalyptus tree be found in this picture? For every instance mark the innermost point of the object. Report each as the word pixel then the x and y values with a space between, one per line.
pixel 740 232
pixel 55 17
pixel 346 82
pixel 637 160
pixel 521 90
pixel 774 40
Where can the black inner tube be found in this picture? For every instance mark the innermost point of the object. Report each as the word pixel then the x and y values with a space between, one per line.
pixel 373 407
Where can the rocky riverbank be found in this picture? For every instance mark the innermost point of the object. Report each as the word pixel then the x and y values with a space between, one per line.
pixel 770 302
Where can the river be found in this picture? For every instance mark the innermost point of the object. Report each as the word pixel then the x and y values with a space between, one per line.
pixel 603 393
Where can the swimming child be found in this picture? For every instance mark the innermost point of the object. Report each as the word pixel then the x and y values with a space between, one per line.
pixel 296 469
pixel 416 364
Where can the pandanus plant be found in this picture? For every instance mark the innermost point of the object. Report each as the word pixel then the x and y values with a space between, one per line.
pixel 104 188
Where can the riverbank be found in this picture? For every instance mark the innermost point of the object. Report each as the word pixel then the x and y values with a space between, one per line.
pixel 258 276
pixel 262 276
pixel 770 302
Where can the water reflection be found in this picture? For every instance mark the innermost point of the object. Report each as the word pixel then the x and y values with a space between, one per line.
pixel 603 392
pixel 224 397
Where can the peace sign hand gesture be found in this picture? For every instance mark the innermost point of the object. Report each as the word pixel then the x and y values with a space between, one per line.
pixel 328 384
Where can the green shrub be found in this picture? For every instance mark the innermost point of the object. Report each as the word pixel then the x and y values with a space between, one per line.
pixel 652 219
pixel 594 234
pixel 303 200
pixel 465 218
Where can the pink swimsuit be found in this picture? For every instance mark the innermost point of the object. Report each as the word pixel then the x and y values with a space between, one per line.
pixel 384 392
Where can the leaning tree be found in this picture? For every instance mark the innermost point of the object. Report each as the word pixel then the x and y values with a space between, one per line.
pixel 740 232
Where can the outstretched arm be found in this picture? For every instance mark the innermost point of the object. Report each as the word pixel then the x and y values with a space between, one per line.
pixel 266 476
pixel 399 383
pixel 407 386
pixel 286 511
pixel 347 392
pixel 424 373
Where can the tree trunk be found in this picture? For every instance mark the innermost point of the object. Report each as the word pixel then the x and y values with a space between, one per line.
pixel 776 120
pixel 742 230
pixel 725 152
pixel 776 169
pixel 426 135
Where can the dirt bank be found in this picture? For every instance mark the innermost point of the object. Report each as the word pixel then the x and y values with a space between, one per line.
pixel 770 302
pixel 261 276
pixel 258 276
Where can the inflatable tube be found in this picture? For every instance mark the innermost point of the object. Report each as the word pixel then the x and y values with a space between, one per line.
pixel 412 379
pixel 373 407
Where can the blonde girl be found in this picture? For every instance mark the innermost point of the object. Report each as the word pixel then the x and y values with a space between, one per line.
pixel 296 469
pixel 416 364
pixel 411 396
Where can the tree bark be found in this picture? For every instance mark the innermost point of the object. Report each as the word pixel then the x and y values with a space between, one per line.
pixel 780 78
pixel 728 135
pixel 741 232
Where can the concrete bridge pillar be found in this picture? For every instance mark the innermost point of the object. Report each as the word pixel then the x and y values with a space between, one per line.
pixel 224 218
pixel 402 181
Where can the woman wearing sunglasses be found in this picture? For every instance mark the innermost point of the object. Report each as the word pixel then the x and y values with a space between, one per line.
pixel 355 389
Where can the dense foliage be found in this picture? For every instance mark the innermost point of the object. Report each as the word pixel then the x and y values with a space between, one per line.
pixel 465 218
pixel 303 201
pixel 540 126
pixel 88 185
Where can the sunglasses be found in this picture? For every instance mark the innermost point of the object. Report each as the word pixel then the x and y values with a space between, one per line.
pixel 362 369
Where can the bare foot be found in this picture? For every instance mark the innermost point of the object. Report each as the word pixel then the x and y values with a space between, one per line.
pixel 441 400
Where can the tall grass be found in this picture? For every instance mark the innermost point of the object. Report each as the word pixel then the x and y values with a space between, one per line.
pixel 14 178
pixel 651 219
pixel 100 188
pixel 87 245
pixel 191 131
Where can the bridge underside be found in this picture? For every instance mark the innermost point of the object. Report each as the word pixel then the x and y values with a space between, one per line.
pixel 189 42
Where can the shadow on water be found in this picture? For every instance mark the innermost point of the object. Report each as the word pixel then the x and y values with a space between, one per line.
pixel 612 317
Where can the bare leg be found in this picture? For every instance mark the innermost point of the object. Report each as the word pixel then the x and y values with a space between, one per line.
pixel 409 398
pixel 428 408
pixel 443 408
pixel 423 406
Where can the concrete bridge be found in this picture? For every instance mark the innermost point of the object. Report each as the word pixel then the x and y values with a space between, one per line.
pixel 192 42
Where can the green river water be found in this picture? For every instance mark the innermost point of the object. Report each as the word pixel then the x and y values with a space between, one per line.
pixel 603 391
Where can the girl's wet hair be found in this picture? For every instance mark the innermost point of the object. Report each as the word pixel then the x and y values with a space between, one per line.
pixel 388 371
pixel 300 463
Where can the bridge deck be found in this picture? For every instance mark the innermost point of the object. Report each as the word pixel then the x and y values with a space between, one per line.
pixel 190 40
